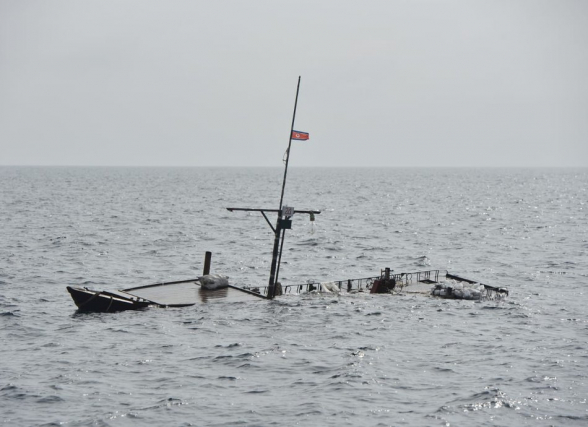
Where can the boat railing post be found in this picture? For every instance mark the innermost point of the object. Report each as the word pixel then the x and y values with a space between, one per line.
pixel 207 259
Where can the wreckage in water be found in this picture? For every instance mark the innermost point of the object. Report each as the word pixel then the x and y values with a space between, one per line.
pixel 190 292
pixel 436 283
pixel 181 293
pixel 209 288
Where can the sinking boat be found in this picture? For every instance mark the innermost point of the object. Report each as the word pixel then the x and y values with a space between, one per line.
pixel 186 293
pixel 194 291
pixel 183 293
pixel 190 292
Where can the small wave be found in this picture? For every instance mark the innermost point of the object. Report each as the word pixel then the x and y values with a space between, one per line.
pixel 165 403
pixel 236 344
pixel 50 399
pixel 11 391
pixel 423 261
pixel 565 418
pixel 308 243
pixel 489 399
pixel 229 378
pixel 10 313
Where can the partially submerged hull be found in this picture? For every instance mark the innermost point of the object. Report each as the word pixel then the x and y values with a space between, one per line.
pixel 88 300
pixel 181 293
pixel 190 292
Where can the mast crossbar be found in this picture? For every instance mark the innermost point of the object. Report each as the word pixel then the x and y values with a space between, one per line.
pixel 271 210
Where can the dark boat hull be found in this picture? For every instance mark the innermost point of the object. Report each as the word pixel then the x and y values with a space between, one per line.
pixel 181 293
pixel 88 300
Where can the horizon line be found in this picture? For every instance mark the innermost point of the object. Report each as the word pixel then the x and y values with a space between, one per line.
pixel 306 166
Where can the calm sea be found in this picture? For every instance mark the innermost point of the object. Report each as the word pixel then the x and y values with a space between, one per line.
pixel 347 360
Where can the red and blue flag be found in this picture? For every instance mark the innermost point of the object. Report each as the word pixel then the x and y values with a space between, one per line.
pixel 299 136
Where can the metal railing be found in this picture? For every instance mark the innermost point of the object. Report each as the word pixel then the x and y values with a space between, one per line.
pixel 364 283
pixel 404 279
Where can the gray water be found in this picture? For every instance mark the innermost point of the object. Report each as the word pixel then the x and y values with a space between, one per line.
pixel 347 360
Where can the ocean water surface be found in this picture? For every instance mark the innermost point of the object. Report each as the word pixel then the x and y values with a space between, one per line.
pixel 315 359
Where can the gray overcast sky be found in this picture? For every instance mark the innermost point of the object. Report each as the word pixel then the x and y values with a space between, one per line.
pixel 212 83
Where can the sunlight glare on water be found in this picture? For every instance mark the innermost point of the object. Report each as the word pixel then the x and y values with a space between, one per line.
pixel 345 360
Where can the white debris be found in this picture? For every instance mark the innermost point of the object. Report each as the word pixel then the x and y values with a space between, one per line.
pixel 214 281
pixel 459 290
pixel 329 287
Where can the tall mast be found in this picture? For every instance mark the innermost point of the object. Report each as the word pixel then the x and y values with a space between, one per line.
pixel 289 145
pixel 280 223
pixel 283 221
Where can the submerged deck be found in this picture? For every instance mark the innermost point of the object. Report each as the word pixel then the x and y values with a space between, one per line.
pixel 418 282
pixel 188 292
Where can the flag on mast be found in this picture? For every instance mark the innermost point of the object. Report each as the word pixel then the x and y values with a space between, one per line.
pixel 299 136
